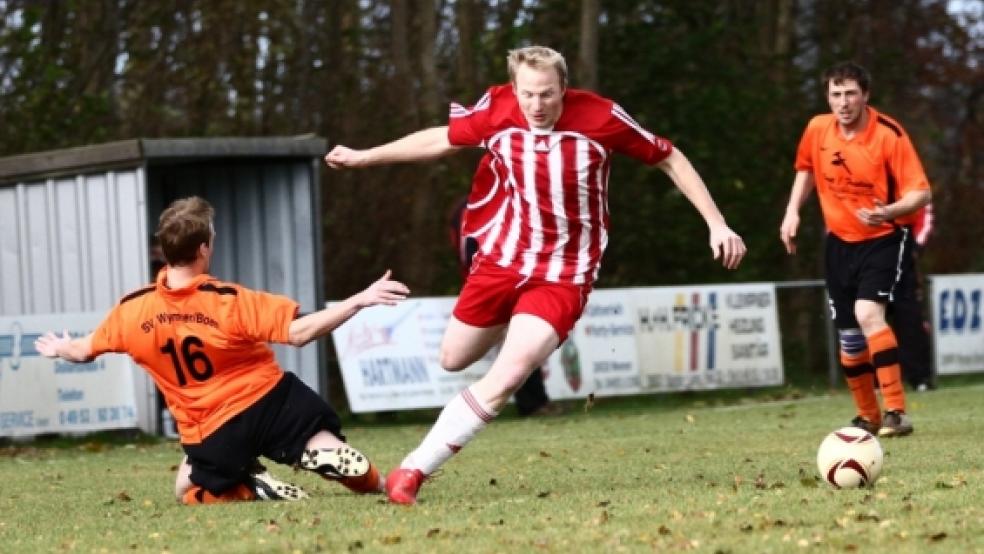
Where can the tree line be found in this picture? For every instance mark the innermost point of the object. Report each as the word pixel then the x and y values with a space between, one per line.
pixel 731 82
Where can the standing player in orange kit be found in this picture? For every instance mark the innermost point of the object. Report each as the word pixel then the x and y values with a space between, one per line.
pixel 870 184
pixel 204 342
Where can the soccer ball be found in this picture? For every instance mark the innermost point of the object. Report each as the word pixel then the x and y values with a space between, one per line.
pixel 849 458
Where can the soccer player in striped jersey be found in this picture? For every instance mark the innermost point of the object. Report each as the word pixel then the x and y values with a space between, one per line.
pixel 204 342
pixel 870 183
pixel 551 148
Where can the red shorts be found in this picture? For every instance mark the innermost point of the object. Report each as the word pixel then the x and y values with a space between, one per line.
pixel 493 294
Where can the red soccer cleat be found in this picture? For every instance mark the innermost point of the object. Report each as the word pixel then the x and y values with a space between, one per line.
pixel 402 485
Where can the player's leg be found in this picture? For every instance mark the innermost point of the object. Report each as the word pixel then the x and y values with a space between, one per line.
pixel 464 344
pixel 211 474
pixel 853 355
pixel 301 429
pixel 528 342
pixel 333 459
pixel 880 270
pixel 224 466
pixel 545 314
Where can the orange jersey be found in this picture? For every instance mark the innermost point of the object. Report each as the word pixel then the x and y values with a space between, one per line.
pixel 878 163
pixel 205 345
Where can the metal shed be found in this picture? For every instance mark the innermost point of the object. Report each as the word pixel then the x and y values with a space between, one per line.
pixel 75 226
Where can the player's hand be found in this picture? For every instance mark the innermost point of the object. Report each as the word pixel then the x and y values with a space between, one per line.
pixel 342 157
pixel 727 246
pixel 48 344
pixel 383 291
pixel 787 231
pixel 875 216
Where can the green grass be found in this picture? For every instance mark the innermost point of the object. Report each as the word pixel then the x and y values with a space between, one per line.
pixel 643 474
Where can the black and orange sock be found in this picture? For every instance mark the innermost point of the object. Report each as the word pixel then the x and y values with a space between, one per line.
pixel 885 359
pixel 860 375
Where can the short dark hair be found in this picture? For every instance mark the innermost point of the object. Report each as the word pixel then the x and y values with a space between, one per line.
pixel 184 226
pixel 847 70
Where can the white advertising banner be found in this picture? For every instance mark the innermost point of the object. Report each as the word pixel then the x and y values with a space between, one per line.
pixel 40 395
pixel 628 341
pixel 958 335
pixel 662 339
pixel 389 357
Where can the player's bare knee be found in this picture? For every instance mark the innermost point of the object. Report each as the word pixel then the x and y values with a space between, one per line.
pixel 871 320
pixel 451 361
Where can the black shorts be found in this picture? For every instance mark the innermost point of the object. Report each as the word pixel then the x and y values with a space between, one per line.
pixel 875 270
pixel 277 426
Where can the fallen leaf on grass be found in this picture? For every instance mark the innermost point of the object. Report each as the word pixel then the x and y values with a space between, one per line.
pixel 392 539
pixel 602 518
pixel 760 481
pixel 867 517
pixel 123 497
pixel 809 482
pixel 589 402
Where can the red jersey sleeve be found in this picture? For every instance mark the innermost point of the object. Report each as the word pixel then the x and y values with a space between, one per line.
pixel 265 317
pixel 621 133
pixel 108 336
pixel 470 126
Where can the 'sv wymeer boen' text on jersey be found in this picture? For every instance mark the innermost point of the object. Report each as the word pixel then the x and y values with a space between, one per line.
pixel 878 163
pixel 205 345
pixel 541 208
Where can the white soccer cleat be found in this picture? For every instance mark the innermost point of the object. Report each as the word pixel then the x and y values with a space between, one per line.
pixel 268 487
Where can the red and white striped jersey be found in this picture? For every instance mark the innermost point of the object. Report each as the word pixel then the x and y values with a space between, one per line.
pixel 541 206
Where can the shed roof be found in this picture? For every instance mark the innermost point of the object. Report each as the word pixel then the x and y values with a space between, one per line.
pixel 132 152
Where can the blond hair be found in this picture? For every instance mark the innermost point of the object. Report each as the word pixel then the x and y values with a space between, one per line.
pixel 184 226
pixel 537 57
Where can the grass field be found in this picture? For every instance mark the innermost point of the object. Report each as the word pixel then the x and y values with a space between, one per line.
pixel 696 473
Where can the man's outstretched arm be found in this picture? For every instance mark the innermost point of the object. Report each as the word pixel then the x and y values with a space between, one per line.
pixel 428 144
pixel 725 243
pixel 65 347
pixel 315 325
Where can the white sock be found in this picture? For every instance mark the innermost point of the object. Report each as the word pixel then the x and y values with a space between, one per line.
pixel 459 422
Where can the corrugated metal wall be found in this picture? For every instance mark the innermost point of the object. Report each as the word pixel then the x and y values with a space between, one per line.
pixel 78 243
pixel 265 229
pixel 72 244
